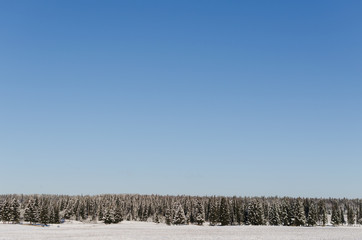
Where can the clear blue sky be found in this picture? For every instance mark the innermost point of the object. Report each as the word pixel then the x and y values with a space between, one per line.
pixel 181 97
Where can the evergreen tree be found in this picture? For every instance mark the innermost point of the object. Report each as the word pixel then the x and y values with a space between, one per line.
pixel 224 215
pixel 168 217
pixel 6 211
pixel 239 211
pixel 342 219
pixel 54 216
pixel 214 215
pixel 156 219
pixel 246 214
pixel 179 216
pixel 322 213
pixel 350 216
pixel 256 213
pixel 118 214
pixel 15 211
pixel 199 213
pixel 284 215
pixel 274 218
pixel 312 215
pixel 299 215
pixel 108 216
pixel 30 213
pixel 335 215
pixel 100 213
pixel 44 214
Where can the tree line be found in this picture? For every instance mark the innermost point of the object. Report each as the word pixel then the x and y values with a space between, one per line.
pixel 215 210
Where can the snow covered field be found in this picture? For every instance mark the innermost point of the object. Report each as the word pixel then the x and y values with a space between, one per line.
pixel 151 231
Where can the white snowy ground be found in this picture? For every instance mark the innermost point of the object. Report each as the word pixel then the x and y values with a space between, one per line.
pixel 152 231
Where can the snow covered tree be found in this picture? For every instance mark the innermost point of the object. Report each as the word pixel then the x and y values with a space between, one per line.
pixel 199 213
pixel 6 211
pixel 179 215
pixel 350 216
pixel 335 218
pixel 342 219
pixel 214 214
pixel 274 218
pixel 256 213
pixel 54 215
pixel 322 213
pixel 108 216
pixel 168 217
pixel 44 214
pixel 312 215
pixel 284 214
pixel 156 218
pixel 31 213
pixel 118 214
pixel 299 215
pixel 224 216
pixel 15 211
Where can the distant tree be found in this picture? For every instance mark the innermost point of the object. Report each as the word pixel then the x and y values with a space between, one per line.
pixel 342 219
pixel 256 213
pixel 224 215
pixel 156 219
pixel 199 213
pixel 322 213
pixel 179 215
pixel 6 211
pixel 100 212
pixel 312 218
pixel 15 211
pixel 44 214
pixel 299 214
pixel 350 215
pixel 284 214
pixel 168 217
pixel 214 214
pixel 108 216
pixel 31 213
pixel 274 218
pixel 118 214
pixel 54 216
pixel 335 218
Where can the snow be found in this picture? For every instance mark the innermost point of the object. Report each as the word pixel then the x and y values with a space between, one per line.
pixel 151 231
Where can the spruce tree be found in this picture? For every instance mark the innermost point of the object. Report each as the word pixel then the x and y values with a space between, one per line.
pixel 199 213
pixel 299 215
pixel 15 211
pixel 54 216
pixel 6 211
pixel 214 214
pixel 256 213
pixel 30 213
pixel 335 218
pixel 284 215
pixel 350 216
pixel 312 215
pixel 108 216
pixel 118 214
pixel 179 216
pixel 44 214
pixel 342 219
pixel 322 213
pixel 224 215
pixel 156 219
pixel 274 218
pixel 168 217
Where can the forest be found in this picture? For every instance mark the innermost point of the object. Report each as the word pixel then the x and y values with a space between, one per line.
pixel 180 210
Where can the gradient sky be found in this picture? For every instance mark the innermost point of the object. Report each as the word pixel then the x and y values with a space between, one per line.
pixel 181 97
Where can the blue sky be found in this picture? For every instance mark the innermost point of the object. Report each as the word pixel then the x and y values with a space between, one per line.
pixel 181 97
